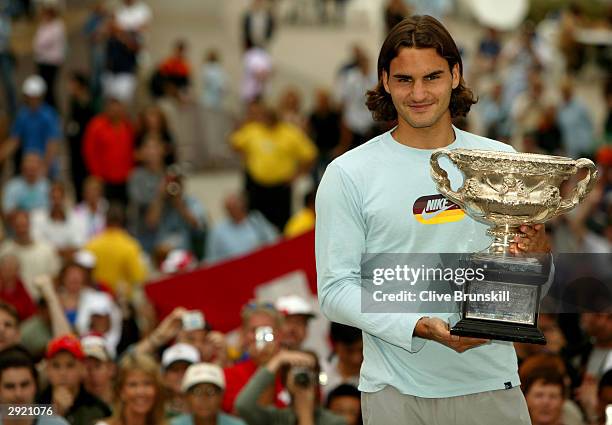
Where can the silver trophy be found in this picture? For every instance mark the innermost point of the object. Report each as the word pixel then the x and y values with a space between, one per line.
pixel 506 190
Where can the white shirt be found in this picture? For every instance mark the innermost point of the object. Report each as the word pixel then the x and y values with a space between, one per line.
pixel 70 233
pixel 357 116
pixel 257 66
pixel 50 43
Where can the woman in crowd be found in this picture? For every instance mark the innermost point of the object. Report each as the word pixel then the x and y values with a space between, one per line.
pixel 139 393
pixel 152 123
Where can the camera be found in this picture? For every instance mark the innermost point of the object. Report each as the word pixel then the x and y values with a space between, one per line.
pixel 303 376
pixel 174 176
pixel 263 336
pixel 193 320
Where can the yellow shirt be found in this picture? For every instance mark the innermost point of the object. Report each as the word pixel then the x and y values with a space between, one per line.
pixel 300 223
pixel 118 259
pixel 273 155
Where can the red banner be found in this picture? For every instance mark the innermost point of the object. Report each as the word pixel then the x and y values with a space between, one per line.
pixel 221 290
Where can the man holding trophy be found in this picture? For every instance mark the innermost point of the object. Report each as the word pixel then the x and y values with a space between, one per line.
pixel 381 198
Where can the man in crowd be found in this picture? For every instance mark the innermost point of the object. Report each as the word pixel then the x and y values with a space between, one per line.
pixel 9 326
pixel 28 191
pixel 65 370
pixel 175 361
pixel 35 257
pixel 297 312
pixel 18 386
pixel 347 356
pixel 203 386
pixel 99 369
pixel 345 401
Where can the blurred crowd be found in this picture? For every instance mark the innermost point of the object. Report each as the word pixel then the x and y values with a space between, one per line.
pixel 95 205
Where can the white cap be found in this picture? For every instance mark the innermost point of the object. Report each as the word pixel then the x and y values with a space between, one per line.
pixel 34 86
pixel 293 305
pixel 203 373
pixel 85 259
pixel 101 304
pixel 95 346
pixel 180 352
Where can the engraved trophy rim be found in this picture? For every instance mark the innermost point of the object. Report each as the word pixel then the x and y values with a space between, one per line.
pixel 516 156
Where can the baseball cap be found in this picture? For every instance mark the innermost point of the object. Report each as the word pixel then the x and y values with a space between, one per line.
pixel 34 86
pixel 67 343
pixel 290 305
pixel 95 346
pixel 203 373
pixel 85 259
pixel 180 352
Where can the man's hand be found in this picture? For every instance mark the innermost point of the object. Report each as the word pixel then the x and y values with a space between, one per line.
pixel 63 400
pixel 535 241
pixel 437 330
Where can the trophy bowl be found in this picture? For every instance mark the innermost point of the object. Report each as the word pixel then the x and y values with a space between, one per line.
pixel 507 189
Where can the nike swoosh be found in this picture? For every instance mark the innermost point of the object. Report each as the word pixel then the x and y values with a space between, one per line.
pixel 432 214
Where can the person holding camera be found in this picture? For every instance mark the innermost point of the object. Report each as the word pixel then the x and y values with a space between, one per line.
pixel 300 371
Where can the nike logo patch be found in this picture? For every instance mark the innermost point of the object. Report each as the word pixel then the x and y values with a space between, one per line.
pixel 436 209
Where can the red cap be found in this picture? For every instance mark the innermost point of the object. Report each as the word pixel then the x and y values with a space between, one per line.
pixel 65 343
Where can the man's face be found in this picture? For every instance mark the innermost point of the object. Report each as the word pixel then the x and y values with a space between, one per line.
pixel 98 375
pixel 545 402
pixel 17 386
pixel 21 226
pixel 255 321
pixel 348 407
pixel 9 330
pixel 420 84
pixel 293 331
pixel 64 369
pixel 173 376
pixel 350 354
pixel 205 401
pixel 31 167
pixel 196 338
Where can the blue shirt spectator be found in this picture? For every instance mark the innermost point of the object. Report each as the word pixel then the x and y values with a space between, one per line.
pixel 36 127
pixel 240 233
pixel 575 123
pixel 28 191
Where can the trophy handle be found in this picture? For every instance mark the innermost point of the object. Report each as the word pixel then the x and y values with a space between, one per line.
pixel 583 187
pixel 441 177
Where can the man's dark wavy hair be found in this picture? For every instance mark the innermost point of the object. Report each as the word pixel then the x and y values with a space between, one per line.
pixel 420 32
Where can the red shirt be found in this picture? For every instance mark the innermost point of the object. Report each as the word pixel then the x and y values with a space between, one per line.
pixel 175 67
pixel 19 298
pixel 108 149
pixel 237 376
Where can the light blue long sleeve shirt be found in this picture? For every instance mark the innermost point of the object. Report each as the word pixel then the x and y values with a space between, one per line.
pixel 365 205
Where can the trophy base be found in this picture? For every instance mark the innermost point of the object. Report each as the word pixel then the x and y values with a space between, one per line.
pixel 499 331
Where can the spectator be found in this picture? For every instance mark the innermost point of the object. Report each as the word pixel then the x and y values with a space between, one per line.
pixel 57 225
pixel 598 326
pixel 494 115
pixel 575 123
pixel 241 232
pixel 304 220
pixel 95 29
pixel 175 70
pixel 35 257
pixel 152 123
pixel 256 318
pixel 203 386
pixel 275 154
pixel 395 12
pixel 119 77
pixel 345 401
pixel 18 386
pixel 214 81
pixel 109 139
pixel 134 15
pixel 290 108
pixel 302 383
pixel 81 111
pixel 9 326
pixel 118 255
pixel 324 126
pixel 12 290
pixel 258 25
pixel 489 49
pixel 65 370
pixel 211 344
pixel 7 61
pixel 347 356
pixel 544 392
pixel 175 361
pixel 353 87
pixel 257 72
pixel 139 397
pixel 547 135
pixel 91 213
pixel 297 312
pixel 28 191
pixel 50 47
pixel 99 369
pixel 36 128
